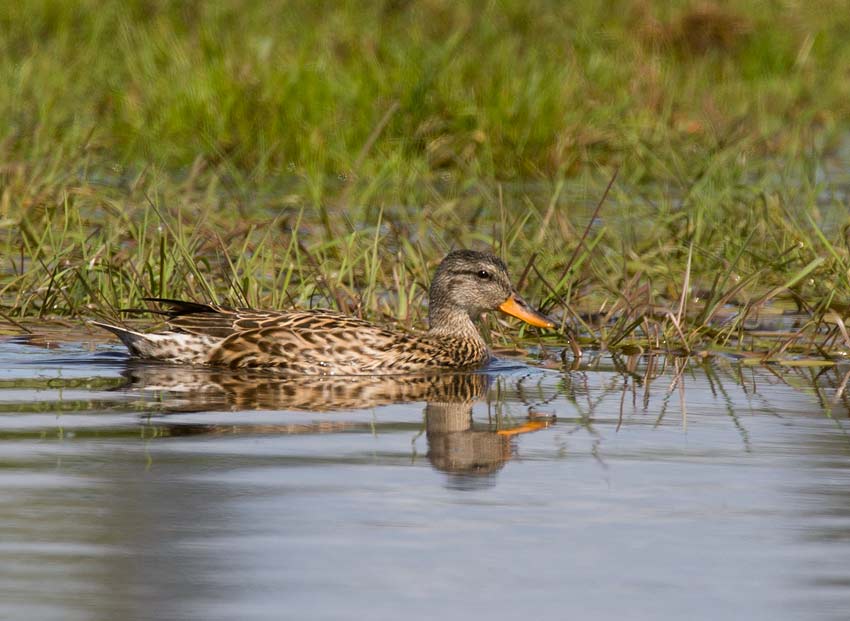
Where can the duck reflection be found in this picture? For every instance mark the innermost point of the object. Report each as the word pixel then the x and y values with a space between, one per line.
pixel 457 444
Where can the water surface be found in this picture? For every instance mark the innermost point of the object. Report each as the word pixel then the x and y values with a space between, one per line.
pixel 622 489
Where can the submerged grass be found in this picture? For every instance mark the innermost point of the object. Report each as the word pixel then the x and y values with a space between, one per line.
pixel 309 154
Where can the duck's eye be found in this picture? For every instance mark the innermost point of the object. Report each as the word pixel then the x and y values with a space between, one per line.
pixel 483 275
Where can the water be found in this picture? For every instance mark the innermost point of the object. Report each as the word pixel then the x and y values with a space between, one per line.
pixel 631 489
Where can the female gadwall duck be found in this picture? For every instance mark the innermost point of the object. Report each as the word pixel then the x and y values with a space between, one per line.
pixel 323 342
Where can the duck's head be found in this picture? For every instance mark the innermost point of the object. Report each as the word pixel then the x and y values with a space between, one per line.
pixel 476 282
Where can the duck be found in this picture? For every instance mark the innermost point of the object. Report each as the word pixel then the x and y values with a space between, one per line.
pixel 466 284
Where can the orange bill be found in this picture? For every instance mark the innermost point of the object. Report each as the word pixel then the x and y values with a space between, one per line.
pixel 520 309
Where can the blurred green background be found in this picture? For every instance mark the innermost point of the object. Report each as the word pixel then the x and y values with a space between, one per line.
pixel 510 90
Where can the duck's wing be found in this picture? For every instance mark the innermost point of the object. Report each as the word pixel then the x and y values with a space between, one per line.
pixel 308 342
pixel 223 321
pixel 331 344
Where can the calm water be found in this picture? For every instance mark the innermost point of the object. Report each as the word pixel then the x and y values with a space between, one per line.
pixel 635 489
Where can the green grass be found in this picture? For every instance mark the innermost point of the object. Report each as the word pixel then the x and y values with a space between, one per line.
pixel 315 153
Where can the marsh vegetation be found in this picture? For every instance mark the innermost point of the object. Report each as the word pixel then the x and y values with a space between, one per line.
pixel 304 154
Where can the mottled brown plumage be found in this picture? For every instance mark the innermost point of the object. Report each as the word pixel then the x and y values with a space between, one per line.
pixel 323 342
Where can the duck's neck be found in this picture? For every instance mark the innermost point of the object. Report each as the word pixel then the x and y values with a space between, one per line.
pixel 454 323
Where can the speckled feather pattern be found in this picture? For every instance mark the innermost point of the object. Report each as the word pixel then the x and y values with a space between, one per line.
pixel 322 342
